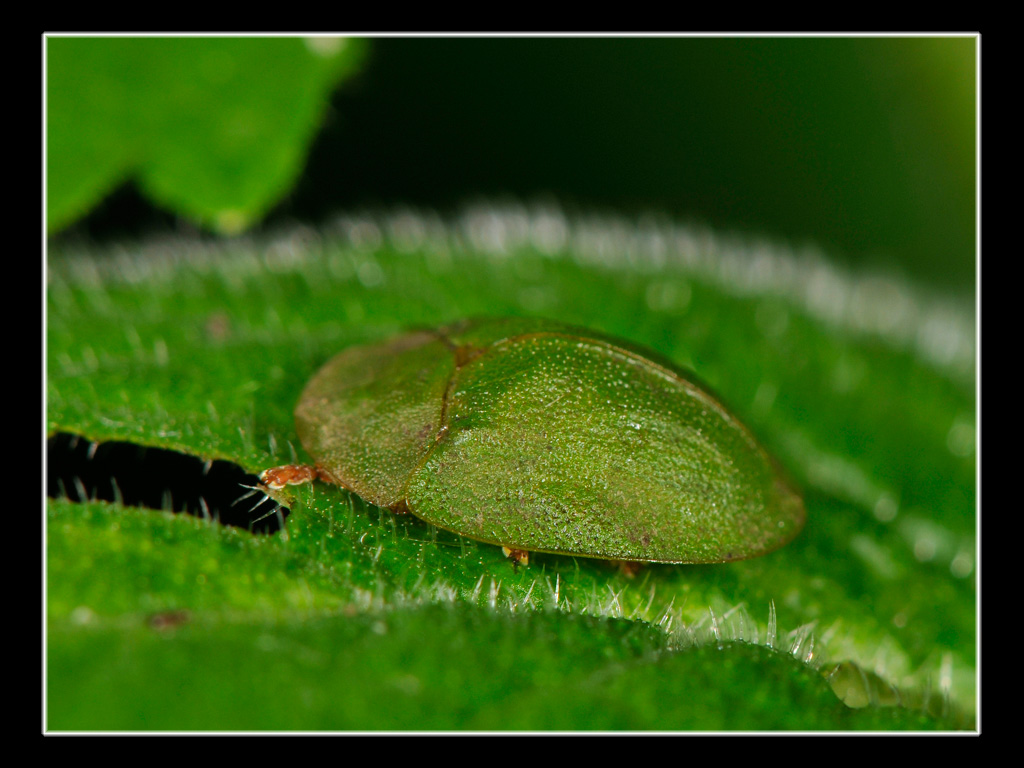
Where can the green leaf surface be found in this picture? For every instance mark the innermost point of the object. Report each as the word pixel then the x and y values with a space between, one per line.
pixel 214 129
pixel 356 618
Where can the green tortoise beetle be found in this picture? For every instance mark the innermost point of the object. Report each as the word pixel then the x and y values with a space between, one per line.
pixel 543 437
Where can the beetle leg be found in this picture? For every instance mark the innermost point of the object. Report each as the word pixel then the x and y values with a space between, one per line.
pixel 628 568
pixel 517 556
pixel 400 508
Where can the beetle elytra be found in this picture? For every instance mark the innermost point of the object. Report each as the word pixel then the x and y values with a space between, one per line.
pixel 543 437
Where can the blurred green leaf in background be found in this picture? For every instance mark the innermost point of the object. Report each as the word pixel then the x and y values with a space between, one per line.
pixel 863 145
pixel 859 375
pixel 203 125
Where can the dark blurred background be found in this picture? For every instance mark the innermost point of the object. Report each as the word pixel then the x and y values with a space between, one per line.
pixel 863 146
